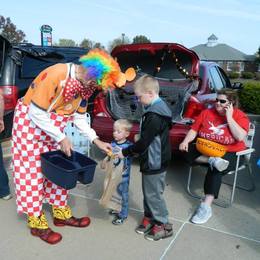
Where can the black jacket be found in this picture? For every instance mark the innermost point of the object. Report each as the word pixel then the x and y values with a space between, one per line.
pixel 153 147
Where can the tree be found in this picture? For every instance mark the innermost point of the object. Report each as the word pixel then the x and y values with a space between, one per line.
pixel 141 39
pixel 67 43
pixel 118 41
pixel 98 45
pixel 9 31
pixel 88 44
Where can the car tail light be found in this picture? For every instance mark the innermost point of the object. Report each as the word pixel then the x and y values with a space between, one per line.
pixel 10 96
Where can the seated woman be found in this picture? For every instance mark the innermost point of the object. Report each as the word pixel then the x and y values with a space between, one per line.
pixel 224 124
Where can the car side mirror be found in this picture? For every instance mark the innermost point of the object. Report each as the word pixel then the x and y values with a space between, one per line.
pixel 237 85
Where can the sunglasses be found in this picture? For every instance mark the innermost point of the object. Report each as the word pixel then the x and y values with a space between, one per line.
pixel 221 101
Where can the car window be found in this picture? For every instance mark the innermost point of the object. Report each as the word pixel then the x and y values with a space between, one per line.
pixel 32 66
pixel 216 78
pixel 201 72
pixel 1 56
pixel 225 78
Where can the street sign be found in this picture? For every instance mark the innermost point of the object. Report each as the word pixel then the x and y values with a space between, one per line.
pixel 46 35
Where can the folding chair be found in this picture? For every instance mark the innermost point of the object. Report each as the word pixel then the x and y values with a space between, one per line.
pixel 238 168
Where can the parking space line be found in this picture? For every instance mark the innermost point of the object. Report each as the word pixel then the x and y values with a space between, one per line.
pixel 172 241
pixel 175 237
pixel 182 226
pixel 227 233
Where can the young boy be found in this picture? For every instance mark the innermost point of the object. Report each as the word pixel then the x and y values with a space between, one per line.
pixel 154 150
pixel 121 131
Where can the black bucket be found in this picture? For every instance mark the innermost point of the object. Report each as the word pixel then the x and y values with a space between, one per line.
pixel 65 171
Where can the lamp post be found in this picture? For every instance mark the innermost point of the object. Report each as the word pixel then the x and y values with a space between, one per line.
pixel 123 38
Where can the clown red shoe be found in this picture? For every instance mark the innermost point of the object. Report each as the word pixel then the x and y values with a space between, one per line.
pixel 39 228
pixel 47 235
pixel 63 217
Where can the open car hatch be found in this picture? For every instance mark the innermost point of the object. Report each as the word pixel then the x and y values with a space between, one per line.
pixel 175 67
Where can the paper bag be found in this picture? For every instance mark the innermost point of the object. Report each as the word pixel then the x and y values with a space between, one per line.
pixel 111 199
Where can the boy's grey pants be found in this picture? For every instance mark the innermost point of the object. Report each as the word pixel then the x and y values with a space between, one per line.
pixel 154 203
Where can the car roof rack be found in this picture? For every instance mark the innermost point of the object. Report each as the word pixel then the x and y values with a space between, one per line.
pixel 43 51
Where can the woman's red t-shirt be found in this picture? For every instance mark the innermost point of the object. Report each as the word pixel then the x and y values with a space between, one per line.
pixel 213 126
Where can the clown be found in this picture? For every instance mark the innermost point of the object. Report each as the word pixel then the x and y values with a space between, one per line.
pixel 58 94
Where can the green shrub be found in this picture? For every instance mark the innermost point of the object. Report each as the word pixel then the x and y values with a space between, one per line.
pixel 247 75
pixel 249 97
pixel 257 75
pixel 233 75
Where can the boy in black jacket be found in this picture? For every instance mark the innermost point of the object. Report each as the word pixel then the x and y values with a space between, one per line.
pixel 154 150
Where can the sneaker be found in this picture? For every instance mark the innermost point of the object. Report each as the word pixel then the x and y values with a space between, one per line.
pixel 118 221
pixel 145 226
pixel 7 197
pixel 219 163
pixel 159 232
pixel 202 214
pixel 112 212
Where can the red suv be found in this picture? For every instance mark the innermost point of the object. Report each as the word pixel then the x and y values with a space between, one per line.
pixel 176 68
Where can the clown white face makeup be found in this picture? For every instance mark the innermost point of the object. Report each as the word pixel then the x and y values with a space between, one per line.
pixel 81 77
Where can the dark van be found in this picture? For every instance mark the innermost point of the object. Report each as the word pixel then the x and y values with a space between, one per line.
pixel 20 64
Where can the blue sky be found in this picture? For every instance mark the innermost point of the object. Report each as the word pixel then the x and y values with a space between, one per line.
pixel 234 22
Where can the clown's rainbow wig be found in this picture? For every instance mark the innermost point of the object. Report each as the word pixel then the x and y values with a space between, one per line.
pixel 101 67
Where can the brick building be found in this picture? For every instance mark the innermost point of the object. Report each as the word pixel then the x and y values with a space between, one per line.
pixel 229 58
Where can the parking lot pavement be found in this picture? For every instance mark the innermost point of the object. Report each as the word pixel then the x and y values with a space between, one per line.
pixel 232 233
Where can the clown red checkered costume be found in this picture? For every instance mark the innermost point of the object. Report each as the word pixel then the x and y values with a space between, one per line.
pixel 29 141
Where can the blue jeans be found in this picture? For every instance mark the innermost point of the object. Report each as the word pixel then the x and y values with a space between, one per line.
pixel 122 189
pixel 4 181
